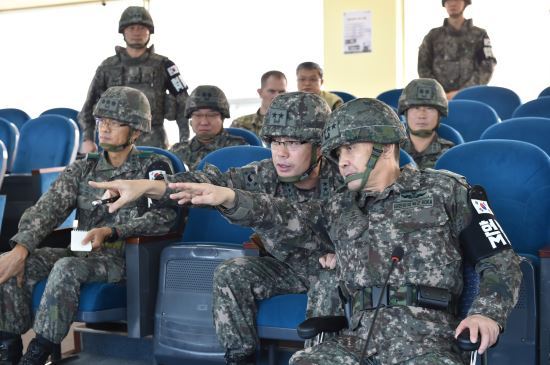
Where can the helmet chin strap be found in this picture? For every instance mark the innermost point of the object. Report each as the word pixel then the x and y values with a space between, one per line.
pixel 314 161
pixel 424 133
pixel 117 148
pixel 377 150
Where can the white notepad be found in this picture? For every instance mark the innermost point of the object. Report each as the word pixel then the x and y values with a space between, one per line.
pixel 76 241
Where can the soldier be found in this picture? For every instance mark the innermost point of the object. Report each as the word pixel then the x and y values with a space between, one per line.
pixel 122 115
pixel 310 80
pixel 435 216
pixel 273 83
pixel 207 107
pixel 423 103
pixel 296 172
pixel 139 67
pixel 458 54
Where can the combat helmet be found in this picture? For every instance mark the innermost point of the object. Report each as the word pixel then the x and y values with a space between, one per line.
pixel 207 96
pixel 136 15
pixel 423 92
pixel 362 120
pixel 125 104
pixel 466 2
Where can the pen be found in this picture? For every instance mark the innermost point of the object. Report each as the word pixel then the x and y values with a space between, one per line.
pixel 105 201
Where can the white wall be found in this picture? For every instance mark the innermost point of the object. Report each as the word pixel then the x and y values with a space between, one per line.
pixel 518 32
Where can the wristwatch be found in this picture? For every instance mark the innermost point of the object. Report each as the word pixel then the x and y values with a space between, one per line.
pixel 114 235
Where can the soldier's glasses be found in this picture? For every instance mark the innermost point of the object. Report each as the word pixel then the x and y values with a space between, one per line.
pixel 209 116
pixel 289 145
pixel 109 123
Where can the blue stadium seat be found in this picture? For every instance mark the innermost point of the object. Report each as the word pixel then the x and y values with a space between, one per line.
pixel 545 92
pixel 405 159
pixel 3 165
pixel 534 130
pixel 47 141
pixel 450 134
pixel 539 107
pixel 504 101
pixel 516 177
pixel 390 97
pixel 16 116
pixel 66 112
pixel 470 118
pixel 177 163
pixel 250 137
pixel 9 134
pixel 344 95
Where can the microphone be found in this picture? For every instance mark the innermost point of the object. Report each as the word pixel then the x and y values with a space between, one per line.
pixel 396 256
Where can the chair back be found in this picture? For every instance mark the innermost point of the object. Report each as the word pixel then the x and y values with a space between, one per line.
pixel 390 97
pixel 66 112
pixel 9 134
pixel 177 163
pixel 406 159
pixel 539 107
pixel 450 134
pixel 545 92
pixel 534 130
pixel 47 141
pixel 250 137
pixel 503 100
pixel 206 224
pixel 344 95
pixel 470 118
pixel 16 116
pixel 3 165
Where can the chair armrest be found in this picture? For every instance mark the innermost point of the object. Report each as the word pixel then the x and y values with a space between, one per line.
pixel 171 236
pixel 311 327
pixel 464 343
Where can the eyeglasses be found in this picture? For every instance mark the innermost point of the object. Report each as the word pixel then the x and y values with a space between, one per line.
pixel 310 79
pixel 109 123
pixel 289 145
pixel 209 116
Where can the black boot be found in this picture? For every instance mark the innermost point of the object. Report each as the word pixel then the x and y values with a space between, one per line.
pixel 11 348
pixel 38 351
pixel 240 359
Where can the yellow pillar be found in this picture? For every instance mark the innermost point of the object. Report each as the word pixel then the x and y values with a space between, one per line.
pixel 364 74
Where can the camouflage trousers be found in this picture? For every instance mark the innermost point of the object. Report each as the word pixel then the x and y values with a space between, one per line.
pixel 156 138
pixel 59 302
pixel 341 350
pixel 240 282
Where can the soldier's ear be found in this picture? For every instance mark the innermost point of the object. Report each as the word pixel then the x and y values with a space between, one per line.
pixel 388 151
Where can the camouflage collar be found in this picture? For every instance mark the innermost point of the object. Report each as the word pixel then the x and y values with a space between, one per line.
pixel 433 148
pixel 408 180
pixel 196 145
pixel 123 54
pixel 468 23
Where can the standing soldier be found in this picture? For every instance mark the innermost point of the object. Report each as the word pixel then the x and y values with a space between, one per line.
pixel 458 54
pixel 423 103
pixel 435 216
pixel 122 115
pixel 207 107
pixel 141 68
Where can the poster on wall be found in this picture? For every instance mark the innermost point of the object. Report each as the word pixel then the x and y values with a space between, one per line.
pixel 357 32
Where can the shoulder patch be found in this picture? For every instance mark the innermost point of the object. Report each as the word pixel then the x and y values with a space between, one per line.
pixel 457 177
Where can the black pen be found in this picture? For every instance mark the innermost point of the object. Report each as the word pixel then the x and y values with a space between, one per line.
pixel 105 201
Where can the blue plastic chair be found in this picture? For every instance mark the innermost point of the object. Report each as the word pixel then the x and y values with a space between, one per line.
pixel 516 176
pixel 534 130
pixel 406 159
pixel 390 97
pixel 66 112
pixel 344 95
pixel 16 116
pixel 450 134
pixel 250 137
pixel 47 141
pixel 470 118
pixel 9 134
pixel 545 92
pixel 503 100
pixel 539 107
pixel 177 163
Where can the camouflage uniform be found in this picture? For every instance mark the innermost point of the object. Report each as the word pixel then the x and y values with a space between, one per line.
pixel 252 122
pixel 333 100
pixel 67 270
pixel 456 58
pixel 422 211
pixel 150 73
pixel 428 157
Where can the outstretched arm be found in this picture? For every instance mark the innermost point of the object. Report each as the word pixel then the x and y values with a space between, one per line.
pixel 130 190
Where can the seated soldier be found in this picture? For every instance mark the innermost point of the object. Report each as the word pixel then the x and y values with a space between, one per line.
pixel 296 172
pixel 310 80
pixel 207 107
pixel 434 216
pixel 423 102
pixel 122 113
pixel 273 83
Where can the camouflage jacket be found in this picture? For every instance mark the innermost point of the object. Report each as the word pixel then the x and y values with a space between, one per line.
pixel 72 191
pixel 261 177
pixel 252 122
pixel 456 58
pixel 147 73
pixel 428 157
pixel 192 152
pixel 333 100
pixel 423 211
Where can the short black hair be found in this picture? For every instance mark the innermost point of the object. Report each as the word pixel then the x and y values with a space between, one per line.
pixel 310 66
pixel 277 74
